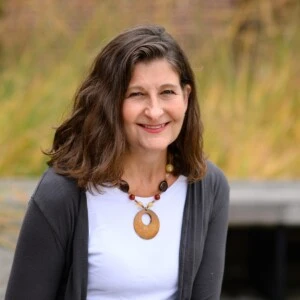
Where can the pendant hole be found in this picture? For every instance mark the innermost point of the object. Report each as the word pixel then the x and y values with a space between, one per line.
pixel 146 219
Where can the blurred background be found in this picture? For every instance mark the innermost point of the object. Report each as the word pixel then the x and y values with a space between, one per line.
pixel 245 55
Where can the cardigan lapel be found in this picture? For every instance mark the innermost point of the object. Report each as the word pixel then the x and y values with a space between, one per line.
pixel 192 239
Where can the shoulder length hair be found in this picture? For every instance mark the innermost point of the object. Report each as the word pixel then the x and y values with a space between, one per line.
pixel 90 144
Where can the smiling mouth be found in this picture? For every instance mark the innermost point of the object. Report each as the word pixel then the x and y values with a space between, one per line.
pixel 158 126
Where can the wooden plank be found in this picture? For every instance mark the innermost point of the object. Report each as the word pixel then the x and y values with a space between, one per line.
pixel 264 203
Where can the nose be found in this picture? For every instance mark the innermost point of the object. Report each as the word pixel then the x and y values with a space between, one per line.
pixel 154 109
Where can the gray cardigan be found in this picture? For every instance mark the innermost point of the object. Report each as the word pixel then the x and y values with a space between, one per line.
pixel 51 255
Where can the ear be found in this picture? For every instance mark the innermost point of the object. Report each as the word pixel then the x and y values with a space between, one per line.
pixel 186 94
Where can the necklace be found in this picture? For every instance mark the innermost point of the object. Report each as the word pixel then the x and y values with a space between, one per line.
pixel 150 230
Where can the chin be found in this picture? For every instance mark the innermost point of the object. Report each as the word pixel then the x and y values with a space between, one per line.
pixel 156 147
pixel 157 144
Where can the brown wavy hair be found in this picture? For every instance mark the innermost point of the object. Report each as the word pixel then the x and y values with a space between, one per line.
pixel 89 145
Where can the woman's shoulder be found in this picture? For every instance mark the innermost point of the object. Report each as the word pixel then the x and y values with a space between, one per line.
pixel 216 187
pixel 55 192
pixel 214 175
pixel 214 184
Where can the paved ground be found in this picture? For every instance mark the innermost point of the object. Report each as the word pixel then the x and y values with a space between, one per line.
pixel 14 195
pixel 6 257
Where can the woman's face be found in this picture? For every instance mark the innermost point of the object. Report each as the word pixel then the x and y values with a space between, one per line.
pixel 154 106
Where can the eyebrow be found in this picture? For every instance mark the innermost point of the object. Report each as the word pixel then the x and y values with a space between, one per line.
pixel 165 85
pixel 169 85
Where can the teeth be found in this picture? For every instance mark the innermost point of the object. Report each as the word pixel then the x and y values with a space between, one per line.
pixel 154 126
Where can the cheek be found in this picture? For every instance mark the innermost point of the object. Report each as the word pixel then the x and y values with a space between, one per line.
pixel 179 112
pixel 127 113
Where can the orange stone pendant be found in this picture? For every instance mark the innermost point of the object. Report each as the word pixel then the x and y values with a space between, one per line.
pixel 149 231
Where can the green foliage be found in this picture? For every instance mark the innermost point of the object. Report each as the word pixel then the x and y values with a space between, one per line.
pixel 248 82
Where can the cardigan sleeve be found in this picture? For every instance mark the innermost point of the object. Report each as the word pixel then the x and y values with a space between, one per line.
pixel 208 280
pixel 40 255
pixel 38 260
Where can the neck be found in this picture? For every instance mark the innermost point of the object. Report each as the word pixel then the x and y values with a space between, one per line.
pixel 144 172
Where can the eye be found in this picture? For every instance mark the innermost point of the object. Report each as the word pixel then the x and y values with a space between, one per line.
pixel 135 94
pixel 168 92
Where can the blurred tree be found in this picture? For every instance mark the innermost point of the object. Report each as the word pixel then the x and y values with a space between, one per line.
pixel 244 53
pixel 1 46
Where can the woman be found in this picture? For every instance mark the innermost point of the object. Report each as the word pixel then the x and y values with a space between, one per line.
pixel 129 208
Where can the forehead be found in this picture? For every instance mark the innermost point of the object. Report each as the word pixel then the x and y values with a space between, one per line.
pixel 157 71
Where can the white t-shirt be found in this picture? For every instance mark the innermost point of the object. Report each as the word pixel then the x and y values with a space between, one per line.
pixel 121 265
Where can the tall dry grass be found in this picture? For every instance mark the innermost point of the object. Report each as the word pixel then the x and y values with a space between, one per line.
pixel 246 61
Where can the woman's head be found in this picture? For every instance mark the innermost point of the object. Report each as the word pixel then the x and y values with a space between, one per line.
pixel 90 144
pixel 154 108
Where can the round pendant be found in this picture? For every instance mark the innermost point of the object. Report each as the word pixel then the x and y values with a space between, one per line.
pixel 149 231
